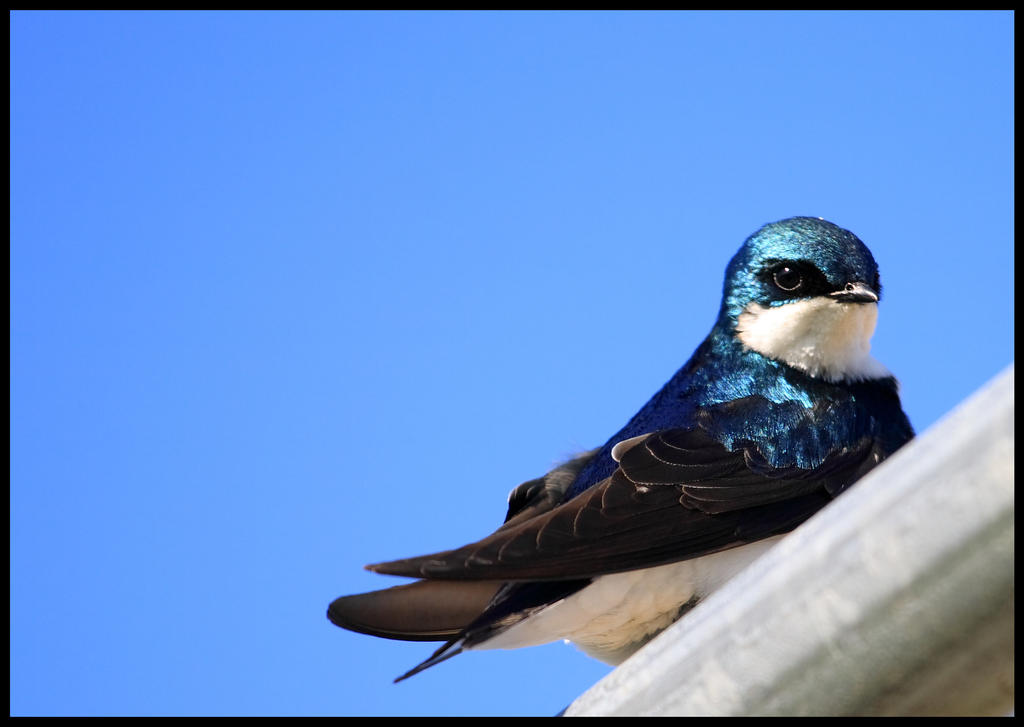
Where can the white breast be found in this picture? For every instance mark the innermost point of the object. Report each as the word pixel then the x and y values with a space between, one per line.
pixel 822 336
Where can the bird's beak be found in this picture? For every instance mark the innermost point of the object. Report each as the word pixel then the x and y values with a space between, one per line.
pixel 856 293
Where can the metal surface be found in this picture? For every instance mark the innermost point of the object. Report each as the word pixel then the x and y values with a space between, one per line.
pixel 897 599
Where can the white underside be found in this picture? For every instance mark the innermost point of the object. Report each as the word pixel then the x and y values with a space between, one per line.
pixel 617 614
pixel 824 337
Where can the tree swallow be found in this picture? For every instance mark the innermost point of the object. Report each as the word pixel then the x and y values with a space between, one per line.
pixel 779 410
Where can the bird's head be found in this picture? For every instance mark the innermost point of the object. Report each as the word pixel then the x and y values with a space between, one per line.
pixel 805 292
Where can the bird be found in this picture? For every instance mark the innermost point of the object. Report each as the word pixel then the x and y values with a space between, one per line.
pixel 779 410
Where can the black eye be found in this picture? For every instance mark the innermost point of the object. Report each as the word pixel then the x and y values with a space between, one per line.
pixel 788 278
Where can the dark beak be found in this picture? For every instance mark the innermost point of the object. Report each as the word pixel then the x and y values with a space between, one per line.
pixel 855 293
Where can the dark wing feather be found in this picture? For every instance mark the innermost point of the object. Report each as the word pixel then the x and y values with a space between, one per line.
pixel 715 480
pixel 677 494
pixel 420 611
pixel 544 493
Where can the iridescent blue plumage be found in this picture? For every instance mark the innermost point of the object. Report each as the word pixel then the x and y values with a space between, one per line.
pixel 808 418
pixel 836 252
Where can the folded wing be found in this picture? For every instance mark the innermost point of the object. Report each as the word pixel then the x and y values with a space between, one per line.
pixel 676 494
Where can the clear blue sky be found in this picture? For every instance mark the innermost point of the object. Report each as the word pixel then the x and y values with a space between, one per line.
pixel 295 292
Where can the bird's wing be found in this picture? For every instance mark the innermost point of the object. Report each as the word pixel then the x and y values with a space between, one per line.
pixel 544 493
pixel 433 610
pixel 676 494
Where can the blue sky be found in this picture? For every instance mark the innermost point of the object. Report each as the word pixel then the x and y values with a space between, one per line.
pixel 296 292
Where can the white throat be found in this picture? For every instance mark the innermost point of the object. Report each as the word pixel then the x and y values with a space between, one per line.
pixel 821 336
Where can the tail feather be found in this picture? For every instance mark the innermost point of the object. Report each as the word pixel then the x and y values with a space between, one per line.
pixel 452 648
pixel 420 611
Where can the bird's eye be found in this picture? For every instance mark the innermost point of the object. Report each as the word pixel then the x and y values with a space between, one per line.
pixel 788 278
